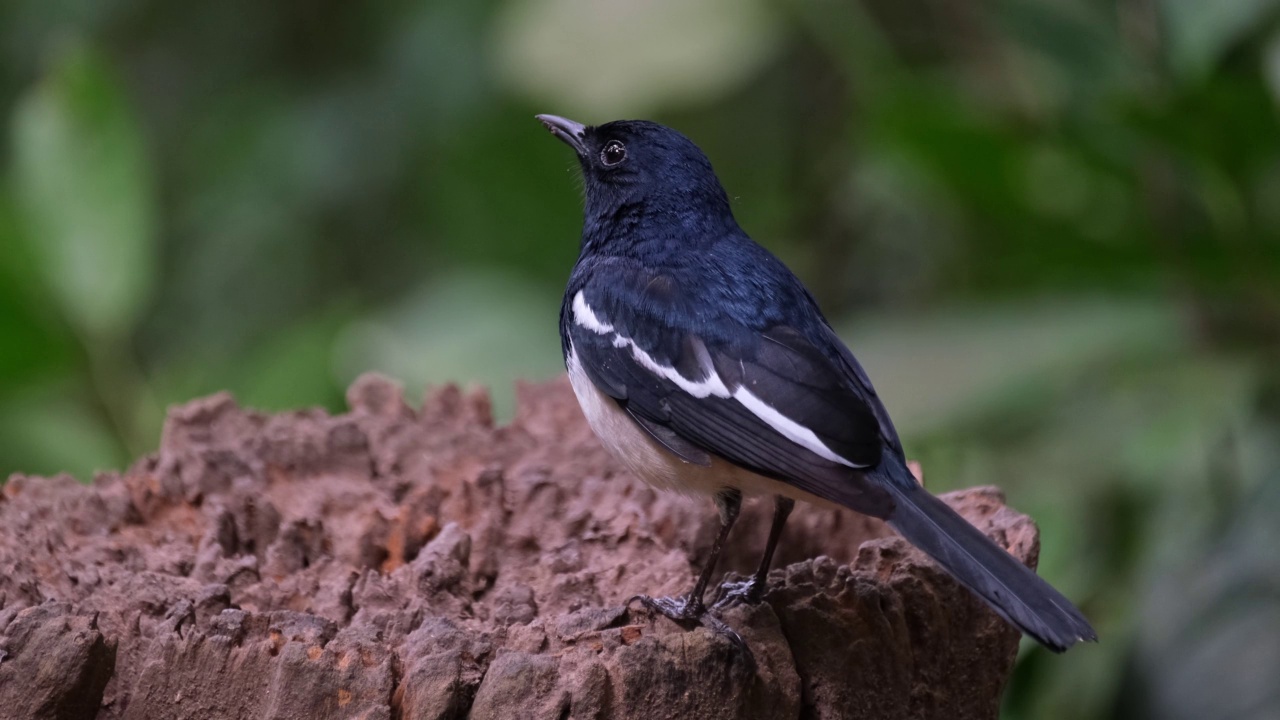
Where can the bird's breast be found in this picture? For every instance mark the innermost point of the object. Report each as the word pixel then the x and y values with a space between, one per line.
pixel 622 437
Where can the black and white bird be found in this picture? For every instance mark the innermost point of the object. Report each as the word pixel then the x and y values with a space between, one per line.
pixel 705 366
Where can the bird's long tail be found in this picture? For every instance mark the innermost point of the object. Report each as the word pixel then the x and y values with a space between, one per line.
pixel 1008 586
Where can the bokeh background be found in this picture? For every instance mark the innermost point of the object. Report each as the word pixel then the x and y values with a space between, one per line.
pixel 1050 229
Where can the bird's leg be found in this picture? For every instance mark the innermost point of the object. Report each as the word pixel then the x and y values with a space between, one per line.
pixel 690 608
pixel 752 591
pixel 729 503
pixel 782 507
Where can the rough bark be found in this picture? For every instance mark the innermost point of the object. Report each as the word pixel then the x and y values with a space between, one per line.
pixel 401 563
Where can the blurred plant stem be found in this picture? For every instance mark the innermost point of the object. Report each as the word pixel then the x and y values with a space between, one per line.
pixel 121 390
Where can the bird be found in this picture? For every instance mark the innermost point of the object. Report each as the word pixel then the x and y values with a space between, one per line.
pixel 706 367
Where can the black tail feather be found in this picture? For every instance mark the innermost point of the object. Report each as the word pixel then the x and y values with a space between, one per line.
pixel 1009 587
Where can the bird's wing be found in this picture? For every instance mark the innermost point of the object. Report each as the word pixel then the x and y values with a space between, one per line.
pixel 765 399
pixel 859 379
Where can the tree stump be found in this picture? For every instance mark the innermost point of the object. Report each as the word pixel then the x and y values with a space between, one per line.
pixel 401 563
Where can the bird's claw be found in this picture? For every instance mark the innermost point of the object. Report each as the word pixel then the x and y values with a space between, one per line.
pixel 685 611
pixel 679 609
pixel 732 594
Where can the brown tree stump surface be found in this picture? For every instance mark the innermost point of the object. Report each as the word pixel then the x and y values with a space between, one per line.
pixel 400 563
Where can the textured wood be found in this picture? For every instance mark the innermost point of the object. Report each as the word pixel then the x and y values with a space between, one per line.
pixel 401 563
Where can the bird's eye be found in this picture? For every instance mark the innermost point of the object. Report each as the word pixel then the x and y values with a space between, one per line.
pixel 613 153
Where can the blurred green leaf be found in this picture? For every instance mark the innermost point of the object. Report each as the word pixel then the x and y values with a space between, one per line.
pixel 473 327
pixel 1212 611
pixel 295 368
pixel 1067 60
pixel 46 430
pixel 1271 66
pixel 33 344
pixel 29 347
pixel 608 60
pixel 945 369
pixel 1201 31
pixel 84 193
pixel 537 232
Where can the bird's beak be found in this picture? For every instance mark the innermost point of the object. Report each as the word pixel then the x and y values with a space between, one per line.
pixel 570 132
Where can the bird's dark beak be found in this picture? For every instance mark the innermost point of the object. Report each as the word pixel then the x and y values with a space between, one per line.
pixel 570 132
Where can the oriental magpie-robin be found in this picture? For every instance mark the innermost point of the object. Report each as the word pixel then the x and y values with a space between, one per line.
pixel 705 366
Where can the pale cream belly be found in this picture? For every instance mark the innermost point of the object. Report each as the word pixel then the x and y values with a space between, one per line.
pixel 654 464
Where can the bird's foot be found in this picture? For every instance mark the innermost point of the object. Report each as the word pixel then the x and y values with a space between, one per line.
pixel 687 610
pixel 680 609
pixel 745 592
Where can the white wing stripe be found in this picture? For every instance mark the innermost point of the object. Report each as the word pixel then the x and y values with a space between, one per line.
pixel 788 428
pixel 712 385
pixel 583 315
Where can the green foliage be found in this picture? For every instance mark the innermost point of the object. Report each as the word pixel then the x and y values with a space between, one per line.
pixel 642 56
pixel 1200 33
pixel 84 193
pixel 1049 229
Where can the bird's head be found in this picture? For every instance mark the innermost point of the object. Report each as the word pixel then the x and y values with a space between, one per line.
pixel 637 162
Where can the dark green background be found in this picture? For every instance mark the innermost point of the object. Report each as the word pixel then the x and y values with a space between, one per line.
pixel 1049 228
